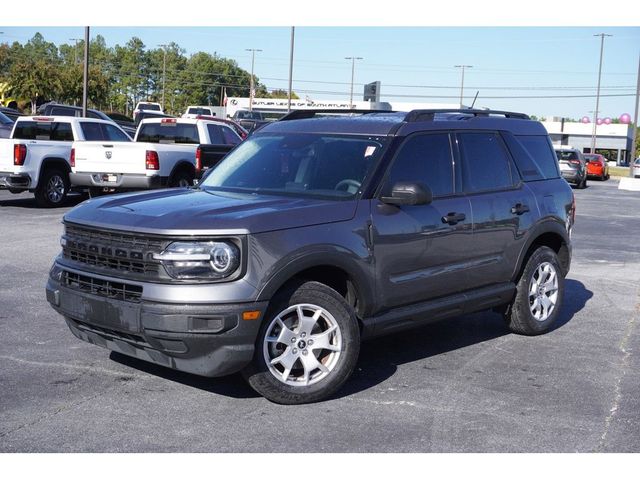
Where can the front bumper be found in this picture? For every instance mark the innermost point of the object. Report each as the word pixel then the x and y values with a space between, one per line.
pixel 116 180
pixel 204 339
pixel 15 181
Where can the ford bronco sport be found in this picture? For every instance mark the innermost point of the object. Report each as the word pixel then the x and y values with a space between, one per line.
pixel 317 232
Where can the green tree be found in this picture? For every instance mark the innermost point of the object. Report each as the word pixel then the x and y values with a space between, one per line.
pixel 35 80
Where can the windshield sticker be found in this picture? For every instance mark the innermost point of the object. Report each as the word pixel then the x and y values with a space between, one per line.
pixel 369 151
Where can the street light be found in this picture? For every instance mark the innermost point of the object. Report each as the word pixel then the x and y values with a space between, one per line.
pixel 595 114
pixel 462 82
pixel 353 69
pixel 164 70
pixel 253 57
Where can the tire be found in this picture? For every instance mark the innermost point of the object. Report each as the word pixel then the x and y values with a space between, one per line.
pixel 98 192
pixel 300 378
pixel 53 188
pixel 583 184
pixel 181 179
pixel 526 315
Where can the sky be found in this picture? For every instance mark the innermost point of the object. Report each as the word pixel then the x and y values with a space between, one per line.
pixel 416 64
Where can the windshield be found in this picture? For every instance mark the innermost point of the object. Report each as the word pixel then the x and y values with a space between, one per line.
pixel 305 165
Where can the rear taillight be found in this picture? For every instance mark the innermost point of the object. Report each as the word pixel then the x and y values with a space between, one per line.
pixel 198 159
pixel 72 157
pixel 152 160
pixel 19 154
pixel 574 162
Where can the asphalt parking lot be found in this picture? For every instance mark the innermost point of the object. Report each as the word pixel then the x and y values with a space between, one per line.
pixel 462 385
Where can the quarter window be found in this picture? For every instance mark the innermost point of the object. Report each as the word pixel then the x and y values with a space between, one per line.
pixel 426 159
pixel 487 165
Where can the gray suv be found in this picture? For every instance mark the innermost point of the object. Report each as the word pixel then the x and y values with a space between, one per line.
pixel 318 232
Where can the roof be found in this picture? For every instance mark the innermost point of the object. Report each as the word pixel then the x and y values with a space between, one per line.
pixel 62 118
pixel 404 123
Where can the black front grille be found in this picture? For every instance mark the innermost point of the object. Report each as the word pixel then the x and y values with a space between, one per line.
pixel 114 251
pixel 103 288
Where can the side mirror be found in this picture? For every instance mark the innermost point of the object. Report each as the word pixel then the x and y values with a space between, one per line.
pixel 409 193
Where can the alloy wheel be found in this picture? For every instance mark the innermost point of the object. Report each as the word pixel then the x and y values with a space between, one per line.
pixel 543 291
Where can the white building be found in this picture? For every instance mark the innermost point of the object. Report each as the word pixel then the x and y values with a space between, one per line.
pixel 616 138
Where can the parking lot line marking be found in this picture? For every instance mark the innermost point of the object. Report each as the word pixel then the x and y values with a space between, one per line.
pixel 68 366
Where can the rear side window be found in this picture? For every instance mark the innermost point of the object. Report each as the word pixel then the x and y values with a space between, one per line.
pixel 486 163
pixel 215 134
pixel 538 155
pixel 30 130
pixel 168 133
pixel 94 131
pixel 230 137
pixel 426 159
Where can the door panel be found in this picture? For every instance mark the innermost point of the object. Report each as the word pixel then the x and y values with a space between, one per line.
pixel 418 256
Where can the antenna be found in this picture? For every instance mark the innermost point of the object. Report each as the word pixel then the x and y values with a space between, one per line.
pixel 474 99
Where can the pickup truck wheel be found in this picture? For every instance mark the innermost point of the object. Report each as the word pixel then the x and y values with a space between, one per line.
pixel 181 179
pixel 540 291
pixel 307 347
pixel 53 188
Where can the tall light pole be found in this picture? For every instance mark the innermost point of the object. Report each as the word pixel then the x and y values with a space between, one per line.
pixel 253 58
pixel 595 114
pixel 293 32
pixel 164 71
pixel 75 50
pixel 85 83
pixel 353 70
pixel 632 154
pixel 463 67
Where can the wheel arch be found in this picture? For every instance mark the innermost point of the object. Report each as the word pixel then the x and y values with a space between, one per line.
pixel 552 234
pixel 53 162
pixel 182 166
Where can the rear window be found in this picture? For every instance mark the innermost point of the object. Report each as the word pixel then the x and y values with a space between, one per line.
pixel 168 133
pixel 541 152
pixel 148 106
pixel 201 111
pixel 567 155
pixel 63 111
pixel 94 131
pixel 32 130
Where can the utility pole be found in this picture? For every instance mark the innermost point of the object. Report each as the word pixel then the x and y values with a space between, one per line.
pixel 293 32
pixel 253 57
pixel 462 82
pixel 595 114
pixel 85 83
pixel 632 154
pixel 164 71
pixel 353 70
pixel 75 50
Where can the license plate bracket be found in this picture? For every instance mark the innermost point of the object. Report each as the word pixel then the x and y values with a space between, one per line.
pixel 112 314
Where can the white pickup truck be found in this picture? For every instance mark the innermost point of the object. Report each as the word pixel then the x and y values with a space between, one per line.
pixel 167 152
pixel 36 158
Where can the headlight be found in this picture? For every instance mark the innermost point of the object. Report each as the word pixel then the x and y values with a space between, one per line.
pixel 200 260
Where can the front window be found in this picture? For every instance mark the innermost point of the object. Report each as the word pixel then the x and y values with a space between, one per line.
pixel 305 165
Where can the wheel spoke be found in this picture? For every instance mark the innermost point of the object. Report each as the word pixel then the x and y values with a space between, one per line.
pixel 285 336
pixel 310 363
pixel 287 360
pixel 323 341
pixel 306 324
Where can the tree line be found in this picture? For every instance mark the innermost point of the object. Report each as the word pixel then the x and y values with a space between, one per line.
pixel 120 76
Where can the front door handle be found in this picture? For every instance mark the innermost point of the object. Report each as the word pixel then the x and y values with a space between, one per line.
pixel 452 218
pixel 519 209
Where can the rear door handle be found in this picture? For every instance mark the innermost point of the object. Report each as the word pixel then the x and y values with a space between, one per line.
pixel 452 218
pixel 519 209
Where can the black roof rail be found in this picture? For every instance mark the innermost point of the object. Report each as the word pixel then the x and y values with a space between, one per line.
pixel 300 114
pixel 429 115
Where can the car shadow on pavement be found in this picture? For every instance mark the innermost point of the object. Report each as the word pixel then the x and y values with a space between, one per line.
pixel 380 357
pixel 231 386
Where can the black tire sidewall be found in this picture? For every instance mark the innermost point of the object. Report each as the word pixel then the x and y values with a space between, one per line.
pixel 42 198
pixel 175 181
pixel 522 320
pixel 263 381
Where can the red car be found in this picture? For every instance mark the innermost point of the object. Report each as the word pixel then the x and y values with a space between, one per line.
pixel 597 166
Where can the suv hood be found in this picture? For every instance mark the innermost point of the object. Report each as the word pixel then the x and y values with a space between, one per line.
pixel 186 211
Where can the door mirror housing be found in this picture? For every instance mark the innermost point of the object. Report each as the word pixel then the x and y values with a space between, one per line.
pixel 409 193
